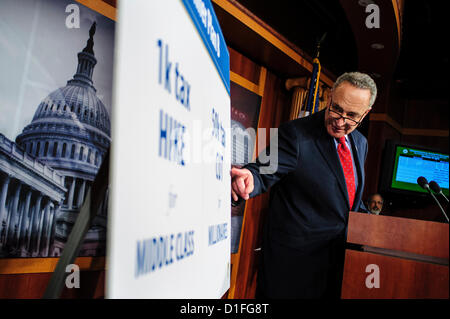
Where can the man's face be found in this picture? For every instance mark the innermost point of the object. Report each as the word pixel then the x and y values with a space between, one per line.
pixel 375 204
pixel 348 101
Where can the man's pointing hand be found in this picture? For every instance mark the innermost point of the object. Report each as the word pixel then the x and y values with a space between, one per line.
pixel 241 183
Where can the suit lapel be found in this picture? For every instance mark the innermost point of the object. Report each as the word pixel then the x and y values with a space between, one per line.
pixel 357 156
pixel 327 148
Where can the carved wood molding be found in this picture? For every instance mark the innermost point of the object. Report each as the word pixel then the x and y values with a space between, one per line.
pixel 383 117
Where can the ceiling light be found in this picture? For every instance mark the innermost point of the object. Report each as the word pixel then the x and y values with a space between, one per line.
pixel 365 3
pixel 377 46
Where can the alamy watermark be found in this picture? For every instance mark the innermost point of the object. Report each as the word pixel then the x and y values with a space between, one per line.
pixel 73 278
pixel 199 146
pixel 373 279
pixel 373 19
pixel 73 19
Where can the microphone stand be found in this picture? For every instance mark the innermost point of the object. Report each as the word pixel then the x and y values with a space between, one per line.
pixel 434 197
pixel 437 189
pixel 442 194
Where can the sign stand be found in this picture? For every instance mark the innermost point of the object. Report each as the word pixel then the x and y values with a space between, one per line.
pixel 84 220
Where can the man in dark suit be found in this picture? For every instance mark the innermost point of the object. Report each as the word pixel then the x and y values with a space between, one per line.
pixel 319 178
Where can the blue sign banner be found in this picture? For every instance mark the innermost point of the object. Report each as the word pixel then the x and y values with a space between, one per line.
pixel 205 20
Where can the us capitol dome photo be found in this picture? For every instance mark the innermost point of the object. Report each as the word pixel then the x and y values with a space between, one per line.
pixel 46 174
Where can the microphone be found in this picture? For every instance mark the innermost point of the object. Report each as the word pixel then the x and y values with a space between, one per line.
pixel 422 181
pixel 435 187
pixel 236 203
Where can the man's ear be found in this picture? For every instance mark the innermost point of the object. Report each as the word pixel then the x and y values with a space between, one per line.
pixel 364 115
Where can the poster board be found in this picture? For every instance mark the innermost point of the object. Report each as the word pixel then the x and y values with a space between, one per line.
pixel 169 218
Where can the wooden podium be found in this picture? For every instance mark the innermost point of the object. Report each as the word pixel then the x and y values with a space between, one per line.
pixel 410 258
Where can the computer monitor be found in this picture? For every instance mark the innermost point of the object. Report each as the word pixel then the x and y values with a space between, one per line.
pixel 404 163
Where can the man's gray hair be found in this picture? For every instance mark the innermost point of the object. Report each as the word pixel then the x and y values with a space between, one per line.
pixel 359 80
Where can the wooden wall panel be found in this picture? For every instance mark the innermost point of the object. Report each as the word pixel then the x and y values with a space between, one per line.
pixel 399 278
pixel 399 234
pixel 418 122
pixel 26 278
pixel 243 66
pixel 111 2
pixel 275 108
pixel 379 132
pixel 395 105
pixel 33 285
pixel 254 38
pixel 255 212
pixel 439 143
pixel 426 114
pixel 429 212
pixel 276 103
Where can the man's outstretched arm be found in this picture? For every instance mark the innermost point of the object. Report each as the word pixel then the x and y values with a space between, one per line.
pixel 281 158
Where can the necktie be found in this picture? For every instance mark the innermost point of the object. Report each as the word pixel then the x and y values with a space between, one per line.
pixel 347 165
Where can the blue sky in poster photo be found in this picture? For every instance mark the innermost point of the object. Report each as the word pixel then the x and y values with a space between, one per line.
pixel 38 54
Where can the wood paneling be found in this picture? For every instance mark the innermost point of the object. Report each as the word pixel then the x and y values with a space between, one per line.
pixel 383 117
pixel 247 263
pixel 408 258
pixel 414 236
pixel 411 129
pixel 240 80
pixel 399 278
pixel 243 66
pixel 252 37
pixel 427 114
pixel 111 2
pixel 27 278
pixel 107 8
pixel 33 285
pixel 379 132
pixel 43 265
pixel 381 61
pixel 383 127
pixel 439 143
pixel 428 211
pixel 275 107
pixel 276 103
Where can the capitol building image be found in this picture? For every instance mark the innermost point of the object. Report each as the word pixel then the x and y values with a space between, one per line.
pixel 46 173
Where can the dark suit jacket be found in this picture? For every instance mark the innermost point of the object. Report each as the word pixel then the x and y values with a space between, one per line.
pixel 305 230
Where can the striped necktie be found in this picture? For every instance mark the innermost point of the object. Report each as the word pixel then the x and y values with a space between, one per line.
pixel 347 165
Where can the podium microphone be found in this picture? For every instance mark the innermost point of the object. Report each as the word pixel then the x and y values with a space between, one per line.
pixel 435 187
pixel 422 181
pixel 237 202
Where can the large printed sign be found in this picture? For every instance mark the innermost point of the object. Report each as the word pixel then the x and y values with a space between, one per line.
pixel 169 222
